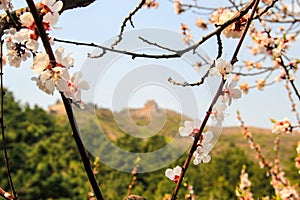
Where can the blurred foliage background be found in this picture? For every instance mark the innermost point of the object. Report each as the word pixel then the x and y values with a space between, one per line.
pixel 46 165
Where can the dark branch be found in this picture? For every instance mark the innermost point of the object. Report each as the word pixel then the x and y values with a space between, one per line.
pixel 254 3
pixel 178 53
pixel 11 19
pixel 128 18
pixel 67 104
pixel 2 126
pixel 132 54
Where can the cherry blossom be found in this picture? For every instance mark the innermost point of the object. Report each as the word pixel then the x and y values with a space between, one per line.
pixel 218 112
pixel 75 85
pixel 245 182
pixel 297 159
pixel 265 44
pixel 24 37
pixel 51 8
pixel 173 174
pixel 16 52
pixel 244 87
pixel 235 29
pixel 288 193
pixel 27 19
pixel 55 78
pixel 243 191
pixel 260 84
pixel 5 5
pixel 66 61
pixel 283 126
pixel 190 127
pixel 151 4
pixel 201 23
pixel 40 62
pixel 221 68
pixel 178 7
pixel 204 146
pixel 230 92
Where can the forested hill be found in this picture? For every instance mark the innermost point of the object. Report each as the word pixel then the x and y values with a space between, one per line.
pixel 45 162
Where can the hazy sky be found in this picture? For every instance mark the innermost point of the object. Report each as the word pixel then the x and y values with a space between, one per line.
pixel 100 22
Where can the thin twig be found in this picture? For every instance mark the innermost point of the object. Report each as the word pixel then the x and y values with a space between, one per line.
pixel 68 106
pixel 218 93
pixel 156 45
pixel 293 104
pixel 261 158
pixel 254 73
pixel 289 78
pixel 178 53
pixel 266 9
pixel 185 84
pixel 128 18
pixel 8 171
pixel 132 54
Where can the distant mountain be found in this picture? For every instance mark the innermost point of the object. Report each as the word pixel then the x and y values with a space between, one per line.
pixel 142 122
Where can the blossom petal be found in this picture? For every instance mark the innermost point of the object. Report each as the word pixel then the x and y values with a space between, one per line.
pixel 170 174
pixel 83 85
pixel 57 6
pixel 177 170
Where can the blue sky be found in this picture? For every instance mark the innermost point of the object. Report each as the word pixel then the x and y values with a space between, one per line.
pixel 101 21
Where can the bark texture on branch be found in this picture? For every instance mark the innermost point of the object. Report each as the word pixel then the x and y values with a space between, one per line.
pixel 6 22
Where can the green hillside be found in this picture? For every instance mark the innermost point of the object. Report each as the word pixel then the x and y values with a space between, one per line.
pixel 46 165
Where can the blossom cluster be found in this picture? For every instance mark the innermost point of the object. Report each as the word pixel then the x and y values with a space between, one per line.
pixel 186 32
pixel 221 68
pixel 297 159
pixel 265 44
pixel 234 30
pixel 5 5
pixel 151 4
pixel 243 190
pixel 52 74
pixel 282 187
pixel 201 155
pixel 282 127
pixel 279 182
pixel 178 7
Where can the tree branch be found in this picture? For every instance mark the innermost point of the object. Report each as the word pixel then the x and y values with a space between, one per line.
pixel 2 126
pixel 176 53
pixel 128 18
pixel 11 19
pixel 67 104
pixel 254 3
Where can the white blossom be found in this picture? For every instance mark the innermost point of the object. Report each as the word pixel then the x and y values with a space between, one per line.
pixel 56 77
pixel 222 68
pixel 54 7
pixel 230 92
pixel 218 112
pixel 40 62
pixel 75 85
pixel 27 19
pixel 173 174
pixel 288 193
pixel 201 154
pixel 283 126
pixel 66 61
pixel 189 127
